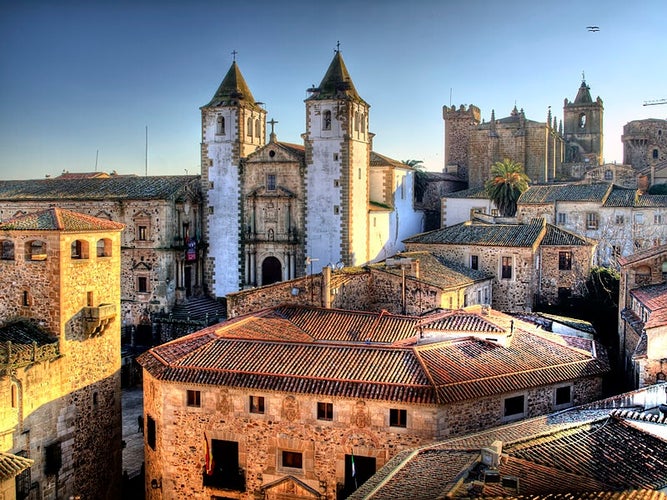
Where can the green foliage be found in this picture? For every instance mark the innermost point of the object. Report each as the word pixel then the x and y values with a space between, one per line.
pixel 508 181
pixel 420 177
pixel 658 189
pixel 603 286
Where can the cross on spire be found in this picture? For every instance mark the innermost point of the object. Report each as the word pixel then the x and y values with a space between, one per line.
pixel 272 137
pixel 583 76
pixel 337 46
pixel 234 54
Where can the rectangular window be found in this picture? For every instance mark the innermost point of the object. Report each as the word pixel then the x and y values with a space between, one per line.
pixel 616 250
pixel 620 219
pixel 564 261
pixel 291 459
pixel 336 209
pixel 514 407
pixel 23 480
pixel 562 218
pixel 53 458
pixel 335 156
pixel 657 219
pixel 506 268
pixel 639 218
pixel 194 398
pixel 271 182
pixel 150 432
pixel 591 220
pixel 142 232
pixel 324 411
pixel 256 404
pixel 474 262
pixel 398 418
pixel 223 470
pixel 563 395
pixel 142 284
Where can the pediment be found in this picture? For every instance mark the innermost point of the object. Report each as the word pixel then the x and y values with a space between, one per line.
pixel 275 152
pixel 289 487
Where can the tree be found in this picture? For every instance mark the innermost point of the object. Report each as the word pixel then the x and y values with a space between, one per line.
pixel 508 181
pixel 420 177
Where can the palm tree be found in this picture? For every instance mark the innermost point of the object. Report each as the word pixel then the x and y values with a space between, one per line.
pixel 420 177
pixel 508 181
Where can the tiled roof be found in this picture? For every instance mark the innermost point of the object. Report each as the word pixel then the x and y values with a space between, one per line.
pixel 478 193
pixel 651 201
pixel 59 219
pixel 111 188
pixel 232 90
pixel 297 149
pixel 649 253
pixel 653 297
pixel 378 160
pixel 557 236
pixel 437 271
pixel 480 233
pixel 578 453
pixel 12 465
pixel 550 193
pixel 348 354
pixel 25 333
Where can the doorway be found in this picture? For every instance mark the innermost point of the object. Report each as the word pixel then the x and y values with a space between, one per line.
pixel 272 271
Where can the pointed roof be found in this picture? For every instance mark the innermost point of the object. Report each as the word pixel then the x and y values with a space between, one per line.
pixel 233 91
pixel 336 84
pixel 59 219
pixel 584 95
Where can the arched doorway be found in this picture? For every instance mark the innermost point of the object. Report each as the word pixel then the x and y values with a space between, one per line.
pixel 272 271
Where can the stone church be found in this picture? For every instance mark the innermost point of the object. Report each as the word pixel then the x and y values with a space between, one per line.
pixel 276 211
pixel 548 151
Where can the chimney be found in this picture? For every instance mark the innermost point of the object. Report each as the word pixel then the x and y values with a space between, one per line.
pixel 416 268
pixel 326 278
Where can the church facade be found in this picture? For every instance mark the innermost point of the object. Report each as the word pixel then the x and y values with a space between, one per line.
pixel 275 210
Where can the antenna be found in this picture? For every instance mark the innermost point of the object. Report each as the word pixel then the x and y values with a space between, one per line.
pixel 450 97
pixel 146 158
pixel 97 155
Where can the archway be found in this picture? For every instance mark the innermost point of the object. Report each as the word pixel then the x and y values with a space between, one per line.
pixel 272 271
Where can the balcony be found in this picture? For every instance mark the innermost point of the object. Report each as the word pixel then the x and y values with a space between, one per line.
pixel 96 319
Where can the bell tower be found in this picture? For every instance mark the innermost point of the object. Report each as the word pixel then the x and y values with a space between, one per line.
pixel 233 126
pixel 583 128
pixel 338 145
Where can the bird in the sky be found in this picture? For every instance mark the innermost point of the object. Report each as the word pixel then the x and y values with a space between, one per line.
pixel 593 28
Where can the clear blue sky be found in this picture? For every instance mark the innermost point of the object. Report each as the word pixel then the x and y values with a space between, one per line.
pixel 78 77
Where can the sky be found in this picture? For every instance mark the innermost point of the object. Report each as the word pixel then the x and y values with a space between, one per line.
pixel 84 84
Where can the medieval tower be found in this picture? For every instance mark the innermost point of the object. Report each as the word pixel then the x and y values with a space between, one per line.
pixel 338 145
pixel 459 124
pixel 582 128
pixel 233 126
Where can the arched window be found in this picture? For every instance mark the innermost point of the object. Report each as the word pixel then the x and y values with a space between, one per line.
pixel 15 395
pixel 249 133
pixel 35 250
pixel 7 250
pixel 582 120
pixel 356 121
pixel 258 129
pixel 79 249
pixel 220 127
pixel 655 154
pixel 363 123
pixel 104 247
pixel 326 120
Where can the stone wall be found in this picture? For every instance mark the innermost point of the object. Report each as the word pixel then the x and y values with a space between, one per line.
pixel 554 280
pixel 640 139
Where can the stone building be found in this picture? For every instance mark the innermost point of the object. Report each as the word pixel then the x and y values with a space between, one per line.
pixel 645 147
pixel 532 262
pixel 548 151
pixel 60 353
pixel 408 283
pixel 277 211
pixel 301 402
pixel 161 248
pixel 642 321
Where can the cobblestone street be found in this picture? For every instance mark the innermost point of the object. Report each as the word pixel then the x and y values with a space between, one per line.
pixel 133 451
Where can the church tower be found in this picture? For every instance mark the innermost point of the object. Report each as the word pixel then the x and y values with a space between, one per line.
pixel 583 128
pixel 337 145
pixel 233 126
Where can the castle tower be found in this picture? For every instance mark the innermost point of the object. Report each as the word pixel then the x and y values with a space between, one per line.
pixel 458 125
pixel 337 145
pixel 233 126
pixel 583 128
pixel 60 338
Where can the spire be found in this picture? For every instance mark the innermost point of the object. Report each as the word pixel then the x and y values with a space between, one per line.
pixel 549 116
pixel 336 83
pixel 233 90
pixel 584 95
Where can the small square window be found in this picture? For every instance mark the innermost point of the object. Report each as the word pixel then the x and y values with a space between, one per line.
pixel 194 398
pixel 256 404
pixel 398 418
pixel 564 261
pixel 336 183
pixel 324 411
pixel 142 284
pixel 591 220
pixel 506 268
pixel 514 407
pixel 335 156
pixel 562 218
pixel 563 395
pixel 474 262
pixel 657 219
pixel 291 459
pixel 211 210
pixel 142 232
pixel 336 210
pixel 620 219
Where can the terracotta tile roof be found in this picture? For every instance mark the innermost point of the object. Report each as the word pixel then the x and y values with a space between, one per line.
pixel 477 193
pixel 59 219
pixel 653 297
pixel 437 270
pixel 111 188
pixel 557 236
pixel 644 254
pixel 297 149
pixel 12 465
pixel 378 160
pixel 480 233
pixel 349 354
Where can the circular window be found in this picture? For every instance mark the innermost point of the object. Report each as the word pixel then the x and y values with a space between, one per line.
pixel 272 153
